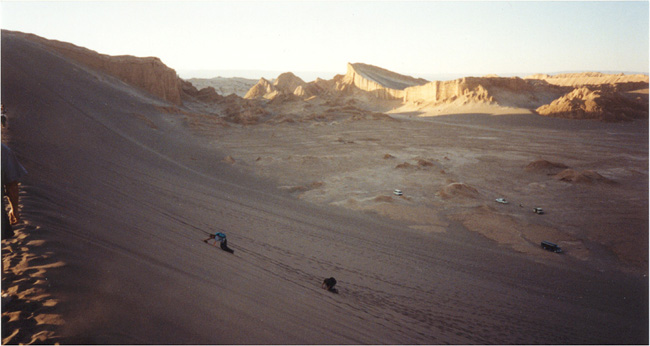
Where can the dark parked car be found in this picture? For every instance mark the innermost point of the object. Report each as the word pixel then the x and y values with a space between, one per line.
pixel 547 245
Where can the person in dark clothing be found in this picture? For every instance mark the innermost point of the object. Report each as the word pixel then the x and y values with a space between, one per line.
pixel 220 237
pixel 4 116
pixel 328 284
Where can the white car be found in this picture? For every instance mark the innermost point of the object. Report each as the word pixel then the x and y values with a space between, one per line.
pixel 397 192
pixel 502 200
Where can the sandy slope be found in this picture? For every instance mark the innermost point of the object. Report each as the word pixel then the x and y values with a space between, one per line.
pixel 121 194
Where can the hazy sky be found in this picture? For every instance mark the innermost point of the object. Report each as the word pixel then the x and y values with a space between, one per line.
pixel 410 37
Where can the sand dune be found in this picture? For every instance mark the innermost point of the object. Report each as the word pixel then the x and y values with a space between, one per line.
pixel 123 186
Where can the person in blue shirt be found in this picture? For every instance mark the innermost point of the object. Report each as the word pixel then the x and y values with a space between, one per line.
pixel 220 237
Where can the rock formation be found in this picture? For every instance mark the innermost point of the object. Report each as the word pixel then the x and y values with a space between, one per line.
pixel 287 83
pixel 380 82
pixel 513 92
pixel 509 92
pixel 261 90
pixel 225 86
pixel 600 103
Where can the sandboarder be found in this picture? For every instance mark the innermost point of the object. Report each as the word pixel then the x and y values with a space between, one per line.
pixel 220 237
pixel 328 284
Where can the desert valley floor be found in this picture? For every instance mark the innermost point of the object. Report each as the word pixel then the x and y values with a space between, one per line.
pixel 121 192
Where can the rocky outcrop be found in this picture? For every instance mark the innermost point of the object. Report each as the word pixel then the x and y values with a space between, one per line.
pixel 241 111
pixel 308 90
pixel 232 107
pixel 378 81
pixel 149 74
pixel 225 86
pixel 508 92
pixel 288 87
pixel 595 103
pixel 318 87
pixel 261 90
pixel 387 85
pixel 286 84
pixel 447 91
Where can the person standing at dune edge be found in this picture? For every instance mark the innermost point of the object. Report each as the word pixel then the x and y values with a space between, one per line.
pixel 12 171
pixel 220 237
pixel 4 115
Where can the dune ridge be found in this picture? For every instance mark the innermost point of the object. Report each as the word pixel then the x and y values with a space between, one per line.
pixel 149 73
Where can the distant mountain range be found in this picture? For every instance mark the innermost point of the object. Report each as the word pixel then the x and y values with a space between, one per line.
pixel 312 75
pixel 251 74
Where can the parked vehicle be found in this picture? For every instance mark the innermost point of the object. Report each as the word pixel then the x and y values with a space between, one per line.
pixel 398 192
pixel 538 211
pixel 547 245
pixel 502 200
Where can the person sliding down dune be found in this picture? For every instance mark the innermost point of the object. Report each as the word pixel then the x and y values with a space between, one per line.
pixel 328 284
pixel 220 237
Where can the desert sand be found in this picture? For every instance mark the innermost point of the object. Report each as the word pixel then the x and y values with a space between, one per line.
pixel 123 187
